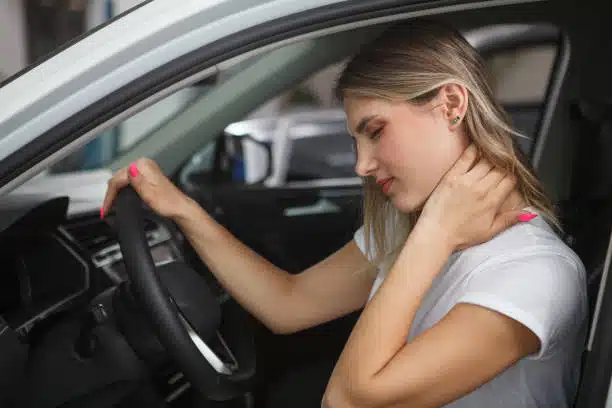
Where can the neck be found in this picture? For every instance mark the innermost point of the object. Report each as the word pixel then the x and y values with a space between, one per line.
pixel 514 202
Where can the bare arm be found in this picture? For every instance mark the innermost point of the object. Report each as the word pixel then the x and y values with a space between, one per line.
pixel 284 302
pixel 467 348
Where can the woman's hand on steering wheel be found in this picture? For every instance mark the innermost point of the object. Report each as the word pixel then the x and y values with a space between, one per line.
pixel 153 187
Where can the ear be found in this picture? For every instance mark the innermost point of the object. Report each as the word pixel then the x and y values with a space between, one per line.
pixel 454 100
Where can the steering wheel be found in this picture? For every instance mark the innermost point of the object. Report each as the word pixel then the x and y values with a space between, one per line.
pixel 182 311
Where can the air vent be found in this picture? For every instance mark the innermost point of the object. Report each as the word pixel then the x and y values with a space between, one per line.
pixel 91 233
pixel 94 234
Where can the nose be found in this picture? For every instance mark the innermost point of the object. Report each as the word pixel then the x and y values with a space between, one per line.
pixel 365 164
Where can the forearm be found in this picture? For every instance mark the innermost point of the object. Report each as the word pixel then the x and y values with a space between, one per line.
pixel 384 325
pixel 259 286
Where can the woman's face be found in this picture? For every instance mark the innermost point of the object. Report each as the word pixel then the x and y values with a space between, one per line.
pixel 406 148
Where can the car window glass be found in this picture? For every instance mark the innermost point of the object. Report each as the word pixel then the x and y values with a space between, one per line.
pixel 315 145
pixel 328 155
pixel 138 127
pixel 520 78
pixel 33 30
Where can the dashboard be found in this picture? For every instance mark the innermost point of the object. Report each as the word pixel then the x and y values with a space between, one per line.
pixel 99 241
pixel 41 274
pixel 51 262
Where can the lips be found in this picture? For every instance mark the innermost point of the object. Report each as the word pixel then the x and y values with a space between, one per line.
pixel 385 184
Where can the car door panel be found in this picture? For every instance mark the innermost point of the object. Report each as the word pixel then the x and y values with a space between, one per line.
pixel 293 228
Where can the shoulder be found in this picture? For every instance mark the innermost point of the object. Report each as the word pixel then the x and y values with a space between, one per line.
pixel 530 259
pixel 531 275
pixel 534 243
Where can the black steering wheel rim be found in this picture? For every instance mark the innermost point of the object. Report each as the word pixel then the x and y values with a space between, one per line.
pixel 162 312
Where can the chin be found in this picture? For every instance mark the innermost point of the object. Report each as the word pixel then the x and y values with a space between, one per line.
pixel 407 204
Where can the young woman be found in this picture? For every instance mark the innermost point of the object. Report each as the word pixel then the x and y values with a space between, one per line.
pixel 471 299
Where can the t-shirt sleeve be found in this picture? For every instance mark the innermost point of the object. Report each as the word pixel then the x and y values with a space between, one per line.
pixel 546 293
pixel 359 238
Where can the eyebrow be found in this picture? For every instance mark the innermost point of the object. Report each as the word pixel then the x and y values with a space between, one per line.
pixel 363 123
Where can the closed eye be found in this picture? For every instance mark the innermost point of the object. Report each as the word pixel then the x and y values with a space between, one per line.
pixel 376 133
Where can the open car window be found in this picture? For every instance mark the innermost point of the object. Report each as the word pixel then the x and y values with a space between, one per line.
pixel 520 78
pixel 520 72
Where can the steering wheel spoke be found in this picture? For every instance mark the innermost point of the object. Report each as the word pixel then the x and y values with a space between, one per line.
pixel 215 361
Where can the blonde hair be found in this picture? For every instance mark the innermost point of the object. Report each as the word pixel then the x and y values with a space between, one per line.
pixel 411 61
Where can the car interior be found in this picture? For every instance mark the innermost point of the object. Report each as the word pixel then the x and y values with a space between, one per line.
pixel 73 334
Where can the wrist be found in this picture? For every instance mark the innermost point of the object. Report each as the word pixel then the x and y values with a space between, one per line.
pixel 435 234
pixel 186 212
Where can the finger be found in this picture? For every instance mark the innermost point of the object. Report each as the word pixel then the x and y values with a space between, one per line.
pixel 493 178
pixel 505 220
pixel 465 162
pixel 479 171
pixel 136 178
pixel 134 175
pixel 116 183
pixel 503 189
pixel 140 177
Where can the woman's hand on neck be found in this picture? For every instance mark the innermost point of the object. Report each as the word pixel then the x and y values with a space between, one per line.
pixel 514 202
pixel 473 202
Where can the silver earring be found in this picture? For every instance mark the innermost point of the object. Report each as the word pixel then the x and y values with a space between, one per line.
pixel 456 120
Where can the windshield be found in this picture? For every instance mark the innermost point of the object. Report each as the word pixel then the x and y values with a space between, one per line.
pixel 31 32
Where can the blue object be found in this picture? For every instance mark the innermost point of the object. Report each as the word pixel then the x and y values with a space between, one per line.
pixel 238 172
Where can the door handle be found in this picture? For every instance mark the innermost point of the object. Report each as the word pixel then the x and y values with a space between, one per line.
pixel 323 206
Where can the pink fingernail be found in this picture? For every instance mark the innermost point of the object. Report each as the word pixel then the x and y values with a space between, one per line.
pixel 133 170
pixel 527 217
pixel 101 213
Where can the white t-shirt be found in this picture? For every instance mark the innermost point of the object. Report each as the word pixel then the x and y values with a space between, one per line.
pixel 530 275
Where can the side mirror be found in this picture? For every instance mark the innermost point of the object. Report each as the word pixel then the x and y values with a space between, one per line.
pixel 251 159
pixel 232 159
